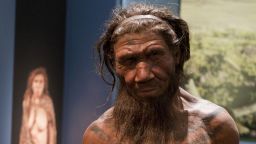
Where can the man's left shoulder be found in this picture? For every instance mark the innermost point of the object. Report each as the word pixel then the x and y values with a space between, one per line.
pixel 220 125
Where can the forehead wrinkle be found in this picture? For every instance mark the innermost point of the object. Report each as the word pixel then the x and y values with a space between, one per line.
pixel 134 39
pixel 137 47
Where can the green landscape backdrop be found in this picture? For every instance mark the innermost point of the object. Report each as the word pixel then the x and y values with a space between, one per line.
pixel 222 67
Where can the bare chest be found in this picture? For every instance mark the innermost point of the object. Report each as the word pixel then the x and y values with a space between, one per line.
pixel 195 132
pixel 189 130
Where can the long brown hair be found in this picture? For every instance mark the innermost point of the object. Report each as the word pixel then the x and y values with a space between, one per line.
pixel 153 121
pixel 109 37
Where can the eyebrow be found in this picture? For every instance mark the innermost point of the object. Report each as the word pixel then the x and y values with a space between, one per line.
pixel 127 56
pixel 148 50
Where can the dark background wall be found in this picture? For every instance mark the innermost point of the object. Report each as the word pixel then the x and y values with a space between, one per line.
pixel 39 41
pixel 84 91
pixel 7 23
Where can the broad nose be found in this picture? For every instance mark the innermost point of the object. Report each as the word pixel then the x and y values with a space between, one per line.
pixel 143 72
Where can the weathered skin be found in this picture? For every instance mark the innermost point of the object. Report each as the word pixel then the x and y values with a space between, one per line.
pixel 145 62
pixel 207 123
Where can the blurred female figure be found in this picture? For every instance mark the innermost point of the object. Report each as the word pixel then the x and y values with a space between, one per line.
pixel 38 118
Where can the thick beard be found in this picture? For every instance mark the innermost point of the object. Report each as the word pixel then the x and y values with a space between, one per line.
pixel 148 121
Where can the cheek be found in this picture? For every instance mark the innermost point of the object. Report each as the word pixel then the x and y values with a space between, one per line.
pixel 127 75
pixel 42 84
pixel 164 71
pixel 33 85
pixel 42 87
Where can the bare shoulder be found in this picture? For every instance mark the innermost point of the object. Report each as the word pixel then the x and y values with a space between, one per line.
pixel 219 124
pixel 100 131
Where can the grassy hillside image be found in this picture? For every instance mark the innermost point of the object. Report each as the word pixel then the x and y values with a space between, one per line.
pixel 222 67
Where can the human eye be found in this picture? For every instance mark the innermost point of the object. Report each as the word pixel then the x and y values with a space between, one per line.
pixel 156 53
pixel 128 60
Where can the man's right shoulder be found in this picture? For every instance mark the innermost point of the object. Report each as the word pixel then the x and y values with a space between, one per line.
pixel 100 131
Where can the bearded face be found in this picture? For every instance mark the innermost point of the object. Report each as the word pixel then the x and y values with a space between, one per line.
pixel 147 105
pixel 145 62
